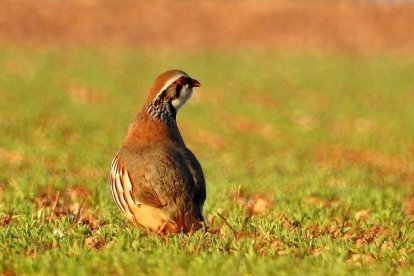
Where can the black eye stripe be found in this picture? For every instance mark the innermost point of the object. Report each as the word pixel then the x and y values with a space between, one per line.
pixel 178 90
pixel 177 86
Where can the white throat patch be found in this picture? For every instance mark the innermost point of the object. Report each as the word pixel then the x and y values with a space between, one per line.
pixel 185 94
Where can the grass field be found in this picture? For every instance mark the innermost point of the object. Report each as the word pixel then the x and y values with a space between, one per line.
pixel 308 160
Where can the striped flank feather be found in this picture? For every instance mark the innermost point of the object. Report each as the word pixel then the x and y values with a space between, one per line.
pixel 121 188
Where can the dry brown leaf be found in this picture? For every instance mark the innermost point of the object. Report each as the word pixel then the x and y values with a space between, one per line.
pixel 6 220
pixel 88 219
pixel 363 237
pixel 362 215
pixel 95 243
pixel 254 204
pixel 258 205
pixel 72 201
pixel 387 245
pixel 277 244
pixel 286 222
pixel 46 197
pixel 212 227
pixel 263 248
pixel 30 253
pixel 313 231
pixel 361 242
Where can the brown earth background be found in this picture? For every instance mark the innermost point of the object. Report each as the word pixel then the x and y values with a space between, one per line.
pixel 347 26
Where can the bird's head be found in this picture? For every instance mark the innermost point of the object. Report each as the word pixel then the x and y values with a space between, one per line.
pixel 172 89
pixel 157 117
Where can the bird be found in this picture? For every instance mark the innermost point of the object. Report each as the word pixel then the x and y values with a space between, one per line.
pixel 155 180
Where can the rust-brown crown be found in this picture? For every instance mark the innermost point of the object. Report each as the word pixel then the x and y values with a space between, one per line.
pixel 167 78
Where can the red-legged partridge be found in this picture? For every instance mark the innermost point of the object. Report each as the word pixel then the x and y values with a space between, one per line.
pixel 155 179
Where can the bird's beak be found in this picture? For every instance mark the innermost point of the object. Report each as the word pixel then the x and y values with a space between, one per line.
pixel 195 83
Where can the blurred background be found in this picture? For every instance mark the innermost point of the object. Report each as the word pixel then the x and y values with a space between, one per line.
pixel 361 26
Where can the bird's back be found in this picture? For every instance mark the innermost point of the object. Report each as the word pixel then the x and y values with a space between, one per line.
pixel 167 177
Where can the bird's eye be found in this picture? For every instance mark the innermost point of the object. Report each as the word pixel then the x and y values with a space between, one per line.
pixel 178 90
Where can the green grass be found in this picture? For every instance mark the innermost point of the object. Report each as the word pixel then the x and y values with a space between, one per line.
pixel 321 137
